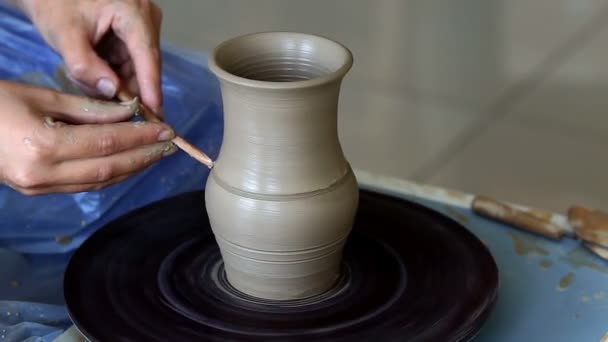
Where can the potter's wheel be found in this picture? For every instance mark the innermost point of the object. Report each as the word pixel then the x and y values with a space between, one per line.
pixel 410 274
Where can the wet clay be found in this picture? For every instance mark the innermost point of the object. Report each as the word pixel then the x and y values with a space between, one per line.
pixel 580 257
pixel 457 215
pixel 546 263
pixel 281 197
pixel 566 281
pixel 524 245
pixel 64 239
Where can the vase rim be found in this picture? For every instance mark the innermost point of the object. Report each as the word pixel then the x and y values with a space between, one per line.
pixel 331 76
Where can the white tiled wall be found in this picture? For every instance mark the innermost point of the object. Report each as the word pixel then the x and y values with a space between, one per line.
pixel 506 98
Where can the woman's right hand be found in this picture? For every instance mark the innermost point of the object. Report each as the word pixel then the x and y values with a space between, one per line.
pixel 51 142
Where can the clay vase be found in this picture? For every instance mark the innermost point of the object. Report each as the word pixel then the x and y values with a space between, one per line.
pixel 281 197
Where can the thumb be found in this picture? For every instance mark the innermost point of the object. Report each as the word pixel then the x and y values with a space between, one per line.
pixel 86 68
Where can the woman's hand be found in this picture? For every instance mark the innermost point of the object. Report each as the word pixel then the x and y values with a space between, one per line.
pixel 106 44
pixel 53 142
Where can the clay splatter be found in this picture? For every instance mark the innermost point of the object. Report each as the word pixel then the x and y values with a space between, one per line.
pixel 49 122
pixel 63 239
pixel 581 257
pixel 456 195
pixel 70 137
pixel 163 149
pixel 546 263
pixel 27 141
pixel 599 296
pixel 525 246
pixel 586 299
pixel 605 338
pixel 566 281
pixel 458 216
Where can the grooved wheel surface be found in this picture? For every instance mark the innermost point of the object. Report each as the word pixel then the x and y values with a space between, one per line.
pixel 409 274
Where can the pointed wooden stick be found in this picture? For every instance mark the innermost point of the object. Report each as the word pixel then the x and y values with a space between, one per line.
pixel 185 146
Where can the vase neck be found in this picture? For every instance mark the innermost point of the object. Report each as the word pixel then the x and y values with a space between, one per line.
pixel 280 141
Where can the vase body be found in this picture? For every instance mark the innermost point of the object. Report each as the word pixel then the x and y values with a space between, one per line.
pixel 281 197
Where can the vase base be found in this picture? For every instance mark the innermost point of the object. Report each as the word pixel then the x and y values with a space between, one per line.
pixel 283 289
pixel 408 273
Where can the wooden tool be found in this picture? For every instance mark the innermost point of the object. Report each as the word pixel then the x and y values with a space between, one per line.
pixel 535 221
pixel 587 225
pixel 190 149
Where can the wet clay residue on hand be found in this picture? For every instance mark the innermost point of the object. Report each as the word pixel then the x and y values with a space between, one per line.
pixel 525 246
pixel 95 106
pixel 68 135
pixel 566 281
pixel 27 141
pixel 64 83
pixel 153 152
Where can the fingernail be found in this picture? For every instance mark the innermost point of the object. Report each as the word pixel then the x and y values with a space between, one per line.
pixel 106 87
pixel 169 149
pixel 166 135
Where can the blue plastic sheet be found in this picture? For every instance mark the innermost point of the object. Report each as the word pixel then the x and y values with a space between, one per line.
pixel 38 234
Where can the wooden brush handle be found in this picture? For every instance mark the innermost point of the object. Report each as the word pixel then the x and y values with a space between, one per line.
pixel 185 146
pixel 588 225
pixel 591 225
pixel 533 221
